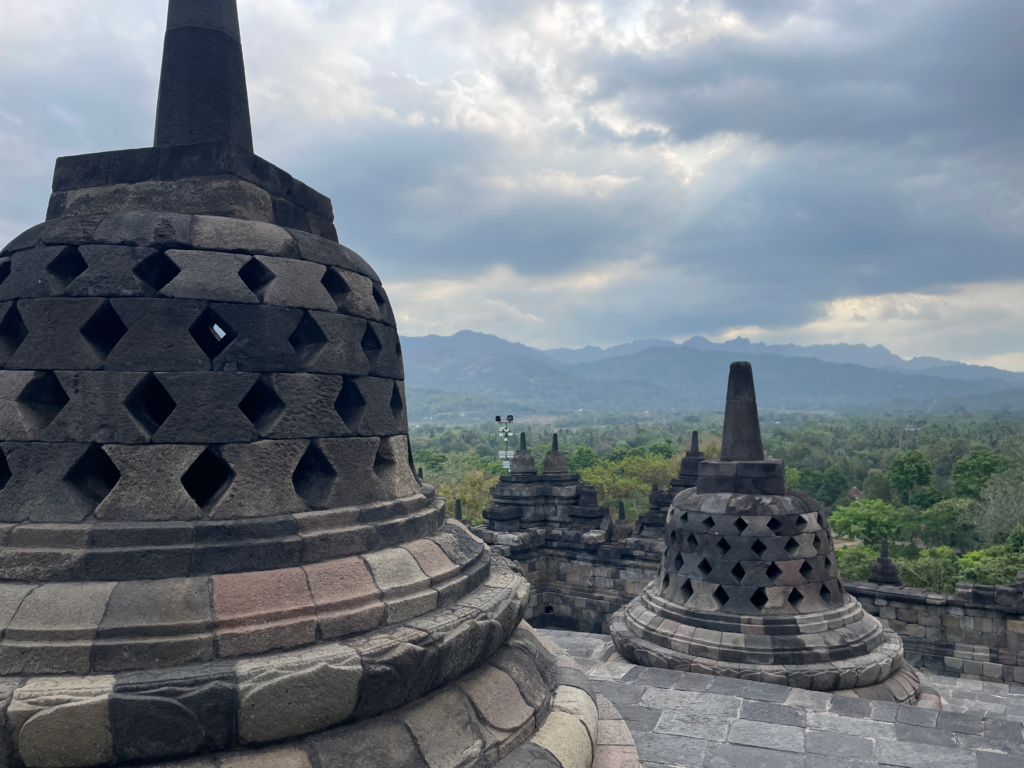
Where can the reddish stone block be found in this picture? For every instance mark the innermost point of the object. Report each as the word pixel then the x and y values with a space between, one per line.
pixel 262 611
pixel 346 599
pixel 432 560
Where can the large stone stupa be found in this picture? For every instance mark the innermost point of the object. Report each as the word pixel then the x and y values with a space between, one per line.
pixel 749 587
pixel 213 546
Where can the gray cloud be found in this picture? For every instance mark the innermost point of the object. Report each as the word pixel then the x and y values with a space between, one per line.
pixel 771 161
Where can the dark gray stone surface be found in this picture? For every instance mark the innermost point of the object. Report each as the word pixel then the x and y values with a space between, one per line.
pixel 691 726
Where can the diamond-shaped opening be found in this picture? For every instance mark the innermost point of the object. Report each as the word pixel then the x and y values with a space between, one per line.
pixel 313 477
pixel 398 348
pixel 685 591
pixel 817 543
pixel 261 405
pixel 94 475
pixel 792 546
pixel 371 343
pixel 773 572
pixel 397 406
pixel 12 333
pixel 5 471
pixel 157 270
pixel 381 299
pixel 758 547
pixel 721 596
pixel 673 540
pixel 5 270
pixel 350 405
pixel 384 463
pixel 692 541
pixel 41 400
pixel 825 593
pixel 207 478
pixel 212 333
pixel 150 403
pixel 740 525
pixel 677 563
pixel 68 265
pixel 795 598
pixel 336 286
pixel 256 276
pixel 801 524
pixel 806 570
pixel 708 523
pixel 104 329
pixel 665 583
pixel 704 567
pixel 723 547
pixel 684 517
pixel 307 338
pixel 821 521
pixel 829 566
pixel 738 572
pixel 759 599
pixel 774 525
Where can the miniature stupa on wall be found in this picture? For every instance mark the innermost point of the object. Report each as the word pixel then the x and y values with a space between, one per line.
pixel 213 542
pixel 749 586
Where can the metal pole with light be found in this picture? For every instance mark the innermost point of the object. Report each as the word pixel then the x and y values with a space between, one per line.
pixel 505 431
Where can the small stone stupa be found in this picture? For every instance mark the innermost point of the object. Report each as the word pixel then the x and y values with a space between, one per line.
pixel 213 545
pixel 749 587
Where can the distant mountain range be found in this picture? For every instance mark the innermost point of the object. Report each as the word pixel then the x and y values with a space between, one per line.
pixel 468 375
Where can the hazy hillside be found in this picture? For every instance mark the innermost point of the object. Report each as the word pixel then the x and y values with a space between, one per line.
pixel 499 376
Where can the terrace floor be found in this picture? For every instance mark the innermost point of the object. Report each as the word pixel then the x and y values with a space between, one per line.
pixel 684 720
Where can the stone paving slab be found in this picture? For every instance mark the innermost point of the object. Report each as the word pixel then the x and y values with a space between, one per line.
pixel 686 720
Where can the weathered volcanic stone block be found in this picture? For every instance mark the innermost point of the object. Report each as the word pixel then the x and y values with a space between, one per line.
pixel 60 721
pixel 142 494
pixel 54 628
pixel 112 271
pixel 216 233
pixel 296 284
pixel 368 746
pixel 55 340
pixel 260 611
pixel 207 408
pixel 446 729
pixel 332 343
pixel 157 336
pixel 314 689
pixel 263 338
pixel 51 483
pixel 405 587
pixel 262 486
pixel 37 273
pixel 497 698
pixel 346 598
pixel 208 275
pixel 161 714
pixel 307 406
pixel 145 228
pixel 155 623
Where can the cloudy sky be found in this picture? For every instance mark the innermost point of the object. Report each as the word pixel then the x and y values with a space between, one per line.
pixel 571 172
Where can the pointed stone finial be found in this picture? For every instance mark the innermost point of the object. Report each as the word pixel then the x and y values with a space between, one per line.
pixel 522 441
pixel 622 510
pixel 203 96
pixel 458 509
pixel 554 442
pixel 741 436
pixel 694 443
pixel 523 462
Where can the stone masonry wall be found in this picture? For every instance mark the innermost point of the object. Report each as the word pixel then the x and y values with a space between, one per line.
pixel 978 632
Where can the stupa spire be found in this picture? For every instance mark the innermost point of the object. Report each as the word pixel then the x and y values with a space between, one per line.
pixel 203 96
pixel 741 435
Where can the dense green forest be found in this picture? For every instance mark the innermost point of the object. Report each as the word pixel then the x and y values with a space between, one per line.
pixel 950 485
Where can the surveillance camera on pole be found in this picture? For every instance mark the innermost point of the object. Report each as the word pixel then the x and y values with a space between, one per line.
pixel 505 431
